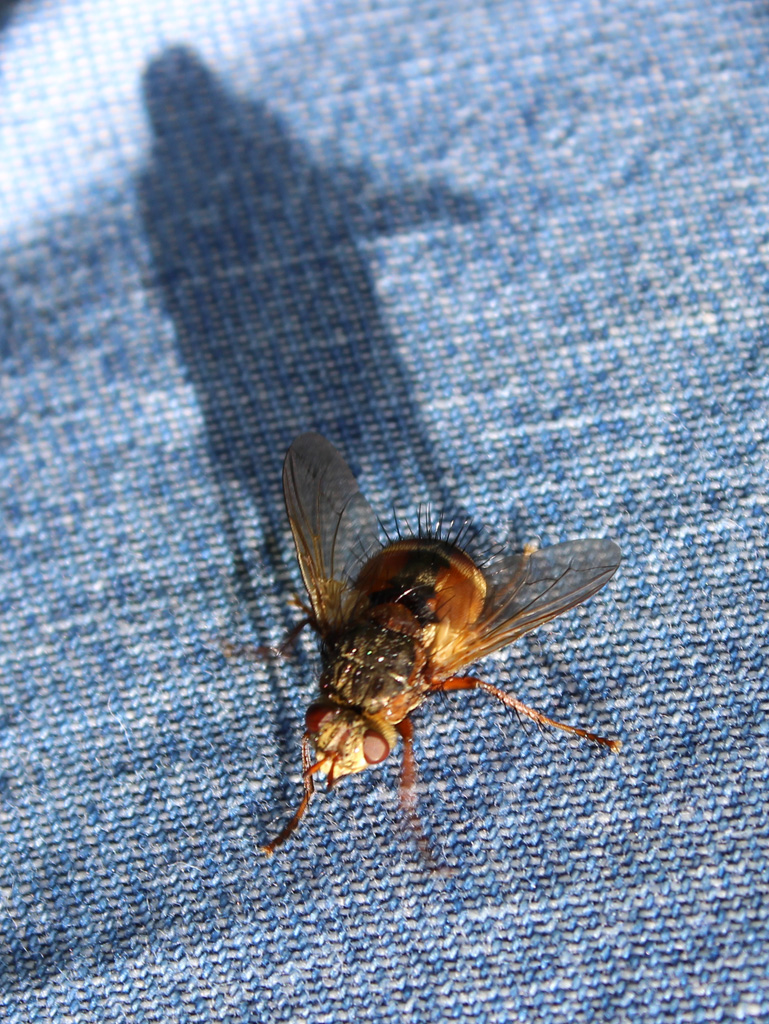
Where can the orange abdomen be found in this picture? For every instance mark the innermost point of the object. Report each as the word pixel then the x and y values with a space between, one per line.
pixel 438 582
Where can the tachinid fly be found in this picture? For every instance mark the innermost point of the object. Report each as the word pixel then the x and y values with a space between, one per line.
pixel 402 620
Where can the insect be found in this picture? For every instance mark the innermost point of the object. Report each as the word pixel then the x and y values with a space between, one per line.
pixel 402 620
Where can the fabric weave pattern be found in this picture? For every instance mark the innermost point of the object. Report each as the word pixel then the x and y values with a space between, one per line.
pixel 511 259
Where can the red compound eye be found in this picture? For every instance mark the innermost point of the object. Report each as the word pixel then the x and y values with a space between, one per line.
pixel 319 715
pixel 375 747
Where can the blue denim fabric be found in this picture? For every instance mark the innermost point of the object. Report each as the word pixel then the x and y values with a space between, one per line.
pixel 512 259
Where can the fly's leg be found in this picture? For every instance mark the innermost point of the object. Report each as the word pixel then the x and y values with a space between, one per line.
pixel 291 636
pixel 471 683
pixel 407 793
pixel 309 789
pixel 261 652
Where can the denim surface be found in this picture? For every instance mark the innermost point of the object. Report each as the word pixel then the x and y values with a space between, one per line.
pixel 511 258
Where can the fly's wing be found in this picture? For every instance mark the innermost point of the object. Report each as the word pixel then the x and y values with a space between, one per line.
pixel 335 529
pixel 527 590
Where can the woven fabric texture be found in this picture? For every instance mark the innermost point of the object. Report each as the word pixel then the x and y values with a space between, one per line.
pixel 511 258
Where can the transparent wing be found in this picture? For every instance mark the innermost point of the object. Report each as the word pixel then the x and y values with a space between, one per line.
pixel 527 590
pixel 335 529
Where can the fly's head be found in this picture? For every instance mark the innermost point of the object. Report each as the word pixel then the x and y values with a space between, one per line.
pixel 345 740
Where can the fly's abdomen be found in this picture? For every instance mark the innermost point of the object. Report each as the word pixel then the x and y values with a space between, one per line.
pixel 436 581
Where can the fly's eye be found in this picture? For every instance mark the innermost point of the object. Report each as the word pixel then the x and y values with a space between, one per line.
pixel 319 715
pixel 375 747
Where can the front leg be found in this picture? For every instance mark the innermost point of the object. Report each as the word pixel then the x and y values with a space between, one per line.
pixel 309 788
pixel 407 793
pixel 407 790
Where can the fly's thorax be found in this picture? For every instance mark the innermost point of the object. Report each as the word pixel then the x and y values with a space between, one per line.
pixel 372 665
pixel 346 740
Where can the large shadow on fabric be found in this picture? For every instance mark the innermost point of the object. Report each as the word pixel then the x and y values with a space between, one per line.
pixel 259 257
pixel 258 254
pixel 7 11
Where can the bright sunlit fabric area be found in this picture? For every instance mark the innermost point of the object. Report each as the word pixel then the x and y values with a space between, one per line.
pixel 510 258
